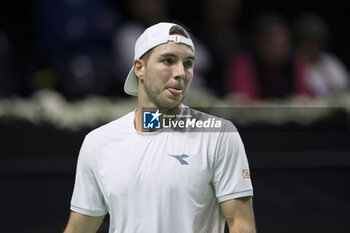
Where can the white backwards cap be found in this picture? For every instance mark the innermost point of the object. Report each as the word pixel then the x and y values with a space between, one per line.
pixel 152 37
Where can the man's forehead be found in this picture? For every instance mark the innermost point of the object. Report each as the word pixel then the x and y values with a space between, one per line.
pixel 174 48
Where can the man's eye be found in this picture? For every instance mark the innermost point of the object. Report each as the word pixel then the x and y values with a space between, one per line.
pixel 168 61
pixel 188 64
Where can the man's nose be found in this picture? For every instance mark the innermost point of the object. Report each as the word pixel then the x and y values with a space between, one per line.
pixel 179 71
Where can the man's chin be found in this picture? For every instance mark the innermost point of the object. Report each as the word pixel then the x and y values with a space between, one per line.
pixel 170 104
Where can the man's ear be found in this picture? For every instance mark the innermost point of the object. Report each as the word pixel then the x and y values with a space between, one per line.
pixel 139 68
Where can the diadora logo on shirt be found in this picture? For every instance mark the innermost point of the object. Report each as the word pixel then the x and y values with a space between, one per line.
pixel 151 119
pixel 181 158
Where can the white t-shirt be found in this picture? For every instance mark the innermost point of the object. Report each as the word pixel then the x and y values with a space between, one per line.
pixel 166 181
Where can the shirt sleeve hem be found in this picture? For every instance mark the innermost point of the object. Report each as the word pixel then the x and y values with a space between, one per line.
pixel 94 213
pixel 235 195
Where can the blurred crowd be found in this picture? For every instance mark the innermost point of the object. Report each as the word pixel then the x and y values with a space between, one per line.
pixel 84 47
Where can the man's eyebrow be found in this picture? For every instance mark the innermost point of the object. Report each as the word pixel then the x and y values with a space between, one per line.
pixel 168 55
pixel 173 55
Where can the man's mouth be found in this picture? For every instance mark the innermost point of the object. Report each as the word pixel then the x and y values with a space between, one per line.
pixel 175 91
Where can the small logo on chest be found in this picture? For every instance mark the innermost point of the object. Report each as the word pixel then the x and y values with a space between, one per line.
pixel 181 158
pixel 245 174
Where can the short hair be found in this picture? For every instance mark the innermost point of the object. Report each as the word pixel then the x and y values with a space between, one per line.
pixel 174 30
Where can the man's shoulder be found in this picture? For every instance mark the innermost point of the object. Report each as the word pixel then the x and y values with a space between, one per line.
pixel 119 126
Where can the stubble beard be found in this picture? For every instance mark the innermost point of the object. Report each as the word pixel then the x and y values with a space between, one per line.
pixel 155 98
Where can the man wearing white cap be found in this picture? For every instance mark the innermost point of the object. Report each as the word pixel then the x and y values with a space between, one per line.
pixel 162 180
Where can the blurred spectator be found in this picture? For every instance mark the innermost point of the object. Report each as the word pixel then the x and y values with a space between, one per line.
pixel 217 31
pixel 8 80
pixel 268 69
pixel 144 13
pixel 323 72
pixel 74 46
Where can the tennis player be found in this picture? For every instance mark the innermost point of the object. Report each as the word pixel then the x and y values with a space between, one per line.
pixel 162 180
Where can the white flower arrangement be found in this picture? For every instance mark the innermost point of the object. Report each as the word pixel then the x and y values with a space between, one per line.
pixel 50 107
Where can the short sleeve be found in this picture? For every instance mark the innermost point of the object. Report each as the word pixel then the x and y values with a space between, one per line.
pixel 231 178
pixel 87 197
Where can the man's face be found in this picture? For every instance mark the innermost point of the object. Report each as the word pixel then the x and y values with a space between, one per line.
pixel 167 75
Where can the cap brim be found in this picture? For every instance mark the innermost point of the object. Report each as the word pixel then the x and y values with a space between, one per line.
pixel 131 83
